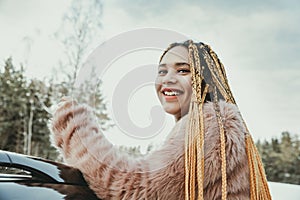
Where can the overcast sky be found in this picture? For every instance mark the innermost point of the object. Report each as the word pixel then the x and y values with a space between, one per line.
pixel 257 41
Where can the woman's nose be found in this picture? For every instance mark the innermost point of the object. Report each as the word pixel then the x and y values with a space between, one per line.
pixel 169 78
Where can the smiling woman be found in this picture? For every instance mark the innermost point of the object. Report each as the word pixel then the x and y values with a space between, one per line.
pixel 173 83
pixel 208 155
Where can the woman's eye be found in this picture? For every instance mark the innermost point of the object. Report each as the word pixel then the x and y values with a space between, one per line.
pixel 184 71
pixel 162 72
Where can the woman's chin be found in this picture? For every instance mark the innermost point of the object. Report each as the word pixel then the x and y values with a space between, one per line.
pixel 176 113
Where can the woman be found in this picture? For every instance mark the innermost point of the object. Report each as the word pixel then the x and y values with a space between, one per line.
pixel 209 154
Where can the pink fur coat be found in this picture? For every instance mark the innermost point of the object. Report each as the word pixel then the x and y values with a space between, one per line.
pixel 160 175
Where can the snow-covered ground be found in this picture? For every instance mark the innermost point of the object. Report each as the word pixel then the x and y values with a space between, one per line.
pixel 282 191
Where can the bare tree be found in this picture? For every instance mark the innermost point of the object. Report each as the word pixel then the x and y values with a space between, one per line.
pixel 81 25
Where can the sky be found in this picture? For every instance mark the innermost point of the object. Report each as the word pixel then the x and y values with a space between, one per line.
pixel 257 41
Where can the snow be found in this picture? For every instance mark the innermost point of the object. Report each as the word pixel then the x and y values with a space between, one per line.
pixel 282 191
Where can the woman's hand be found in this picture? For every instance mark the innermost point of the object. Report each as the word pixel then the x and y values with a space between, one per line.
pixel 68 116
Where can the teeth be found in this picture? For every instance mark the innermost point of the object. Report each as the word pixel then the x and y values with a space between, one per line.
pixel 173 93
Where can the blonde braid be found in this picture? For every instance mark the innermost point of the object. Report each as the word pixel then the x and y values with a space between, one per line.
pixel 259 189
pixel 200 133
pixel 215 70
pixel 222 75
pixel 223 145
pixel 194 154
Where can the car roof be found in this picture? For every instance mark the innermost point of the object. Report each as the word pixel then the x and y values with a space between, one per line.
pixel 49 171
pixel 40 179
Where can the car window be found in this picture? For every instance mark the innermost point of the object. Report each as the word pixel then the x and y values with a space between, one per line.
pixel 12 173
pixel 13 170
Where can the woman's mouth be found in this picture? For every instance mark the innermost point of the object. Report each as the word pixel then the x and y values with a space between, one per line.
pixel 171 93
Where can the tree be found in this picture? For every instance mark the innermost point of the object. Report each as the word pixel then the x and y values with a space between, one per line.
pixel 13 98
pixel 134 152
pixel 81 25
pixel 24 102
pixel 38 133
pixel 23 119
pixel 281 158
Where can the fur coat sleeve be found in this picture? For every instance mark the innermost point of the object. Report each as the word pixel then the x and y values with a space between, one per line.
pixel 160 175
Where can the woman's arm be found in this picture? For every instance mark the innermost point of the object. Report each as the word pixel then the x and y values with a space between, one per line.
pixel 111 174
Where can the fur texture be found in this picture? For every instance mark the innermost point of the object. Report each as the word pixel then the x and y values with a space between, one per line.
pixel 160 175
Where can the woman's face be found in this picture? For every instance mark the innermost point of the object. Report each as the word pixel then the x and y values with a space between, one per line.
pixel 173 82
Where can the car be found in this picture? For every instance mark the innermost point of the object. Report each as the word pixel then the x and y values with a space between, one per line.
pixel 28 178
pixel 31 178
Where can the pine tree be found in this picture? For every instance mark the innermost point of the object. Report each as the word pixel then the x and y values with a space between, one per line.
pixel 39 99
pixel 281 158
pixel 23 119
pixel 13 94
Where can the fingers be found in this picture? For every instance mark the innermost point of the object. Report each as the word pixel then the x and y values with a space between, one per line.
pixel 66 98
pixel 65 103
